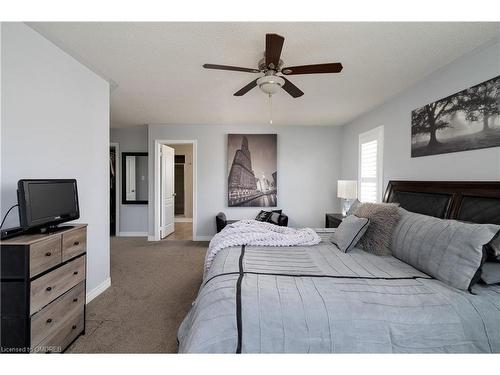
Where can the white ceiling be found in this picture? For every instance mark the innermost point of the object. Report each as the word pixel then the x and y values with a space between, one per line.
pixel 157 76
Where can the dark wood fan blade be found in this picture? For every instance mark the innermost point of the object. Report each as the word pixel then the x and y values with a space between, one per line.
pixel 246 89
pixel 227 67
pixel 312 69
pixel 274 44
pixel 290 88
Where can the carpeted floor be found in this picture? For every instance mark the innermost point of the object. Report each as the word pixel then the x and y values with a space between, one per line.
pixel 183 231
pixel 152 287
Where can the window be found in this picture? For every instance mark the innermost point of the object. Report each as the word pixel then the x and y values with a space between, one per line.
pixel 371 146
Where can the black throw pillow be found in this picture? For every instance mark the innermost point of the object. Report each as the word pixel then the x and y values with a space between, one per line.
pixel 263 215
pixel 274 218
pixel 493 249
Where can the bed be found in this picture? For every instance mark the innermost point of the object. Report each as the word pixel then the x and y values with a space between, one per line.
pixel 316 299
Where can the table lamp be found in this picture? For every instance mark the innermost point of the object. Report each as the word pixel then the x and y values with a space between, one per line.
pixel 348 191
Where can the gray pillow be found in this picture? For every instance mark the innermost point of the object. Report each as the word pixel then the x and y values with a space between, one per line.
pixel 348 233
pixel 491 273
pixel 383 219
pixel 449 250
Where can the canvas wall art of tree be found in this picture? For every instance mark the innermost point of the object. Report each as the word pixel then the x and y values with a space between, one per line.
pixel 467 120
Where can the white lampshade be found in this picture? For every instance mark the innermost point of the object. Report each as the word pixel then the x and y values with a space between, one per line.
pixel 347 189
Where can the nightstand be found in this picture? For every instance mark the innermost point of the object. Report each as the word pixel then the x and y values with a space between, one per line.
pixel 333 220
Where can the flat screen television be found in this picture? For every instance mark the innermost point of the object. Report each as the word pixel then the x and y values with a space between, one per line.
pixel 47 203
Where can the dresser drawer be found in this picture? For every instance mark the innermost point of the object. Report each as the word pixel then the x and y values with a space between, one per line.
pixel 50 286
pixel 74 243
pixel 45 254
pixel 67 331
pixel 48 320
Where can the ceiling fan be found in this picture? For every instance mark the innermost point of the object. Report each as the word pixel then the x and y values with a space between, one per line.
pixel 271 65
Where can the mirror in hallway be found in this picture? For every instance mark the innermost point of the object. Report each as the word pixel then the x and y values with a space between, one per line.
pixel 135 178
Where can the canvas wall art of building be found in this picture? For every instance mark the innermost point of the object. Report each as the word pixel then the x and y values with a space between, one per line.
pixel 467 120
pixel 252 170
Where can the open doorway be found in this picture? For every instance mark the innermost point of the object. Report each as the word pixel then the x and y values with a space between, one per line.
pixel 175 192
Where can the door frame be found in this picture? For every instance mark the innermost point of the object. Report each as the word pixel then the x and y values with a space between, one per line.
pixel 118 184
pixel 156 193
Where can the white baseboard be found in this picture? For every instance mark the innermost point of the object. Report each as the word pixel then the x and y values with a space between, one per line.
pixel 98 290
pixel 183 220
pixel 151 238
pixel 132 234
pixel 202 238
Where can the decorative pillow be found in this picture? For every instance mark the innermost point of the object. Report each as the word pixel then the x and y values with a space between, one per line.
pixel 493 249
pixel 383 218
pixel 263 216
pixel 348 233
pixel 491 273
pixel 353 207
pixel 274 218
pixel 449 250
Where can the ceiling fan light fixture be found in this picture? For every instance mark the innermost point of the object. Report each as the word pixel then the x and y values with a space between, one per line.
pixel 270 84
pixel 271 64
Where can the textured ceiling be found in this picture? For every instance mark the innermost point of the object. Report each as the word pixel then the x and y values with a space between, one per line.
pixel 156 74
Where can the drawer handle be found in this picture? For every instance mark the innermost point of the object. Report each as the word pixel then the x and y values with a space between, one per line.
pixel 75 299
pixel 75 273
pixel 48 289
pixel 76 243
pixel 74 326
pixel 49 321
pixel 48 254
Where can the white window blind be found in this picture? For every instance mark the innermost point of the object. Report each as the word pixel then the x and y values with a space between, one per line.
pixel 370 165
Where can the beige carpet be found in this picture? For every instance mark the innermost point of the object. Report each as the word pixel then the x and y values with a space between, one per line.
pixel 152 287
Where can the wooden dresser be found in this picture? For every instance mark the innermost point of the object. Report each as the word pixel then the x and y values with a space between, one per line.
pixel 43 290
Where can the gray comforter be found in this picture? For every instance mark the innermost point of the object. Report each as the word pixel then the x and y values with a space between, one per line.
pixel 319 300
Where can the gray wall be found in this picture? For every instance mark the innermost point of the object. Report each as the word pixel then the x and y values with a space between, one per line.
pixel 308 169
pixel 395 115
pixel 55 124
pixel 133 217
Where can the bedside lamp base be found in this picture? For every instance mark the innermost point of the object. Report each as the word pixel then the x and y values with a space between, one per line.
pixel 346 206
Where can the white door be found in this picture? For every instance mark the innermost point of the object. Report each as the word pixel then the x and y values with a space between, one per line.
pixel 130 183
pixel 166 191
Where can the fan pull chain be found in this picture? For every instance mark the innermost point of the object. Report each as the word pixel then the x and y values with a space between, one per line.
pixel 270 110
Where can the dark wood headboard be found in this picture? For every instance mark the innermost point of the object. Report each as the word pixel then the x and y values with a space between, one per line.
pixel 472 201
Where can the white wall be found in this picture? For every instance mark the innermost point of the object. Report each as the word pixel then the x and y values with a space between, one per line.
pixel 308 169
pixel 133 217
pixel 395 115
pixel 55 124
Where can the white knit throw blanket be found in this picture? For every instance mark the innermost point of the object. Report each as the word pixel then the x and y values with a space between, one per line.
pixel 258 233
